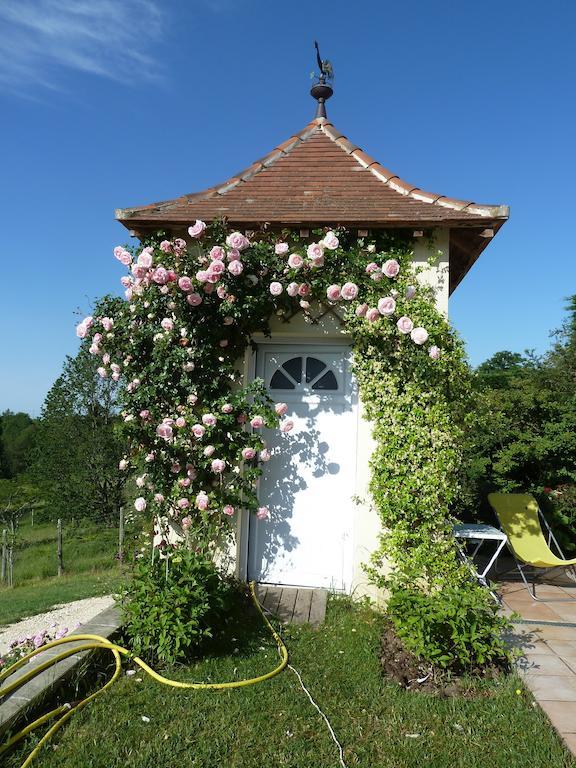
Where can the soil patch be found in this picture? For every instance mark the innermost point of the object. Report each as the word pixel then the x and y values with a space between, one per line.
pixel 401 666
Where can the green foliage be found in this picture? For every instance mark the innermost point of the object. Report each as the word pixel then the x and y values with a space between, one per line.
pixel 455 629
pixel 521 433
pixel 172 607
pixel 17 437
pixel 78 446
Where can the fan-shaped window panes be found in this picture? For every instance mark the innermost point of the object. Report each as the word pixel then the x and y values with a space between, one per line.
pixel 314 368
pixel 294 368
pixel 326 382
pixel 279 381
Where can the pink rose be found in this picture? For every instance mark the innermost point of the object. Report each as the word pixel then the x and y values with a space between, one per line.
pixel 386 306
pixel 125 258
pixel 376 276
pixel 166 246
pixel 209 419
pixel 315 251
pixel 410 291
pixel 304 304
pixel 107 323
pixel 330 241
pixel 404 324
pixel 197 228
pixel 198 430
pixel 186 523
pixel 223 343
pixel 434 352
pixel 208 288
pixel 81 330
pixel 237 240
pixel 228 509
pixel 361 310
pixel 216 267
pixel 276 288
pixel 165 431
pixel 248 453
pixel 281 409
pixel 221 292
pixel 167 323
pixel 180 422
pixel 256 422
pixel 140 504
pixel 419 335
pixel 372 314
pixel 192 398
pixel 145 414
pixel 280 248
pixel 217 253
pixel 265 455
pixel 292 289
pixel 391 268
pixel 158 498
pixel 263 513
pixel 183 503
pixel 287 426
pixel 349 291
pixel 233 254
pixel 295 261
pixel 202 500
pixel 184 482
pixel 126 281
pixel 123 464
pixel 202 275
pixel 218 466
pixel 333 292
pixel 194 299
pixel 102 372
pixel 372 267
pixel 117 251
pixel 209 451
pixel 185 284
pixel 235 267
pixel 160 276
pixel 304 289
pixel 145 259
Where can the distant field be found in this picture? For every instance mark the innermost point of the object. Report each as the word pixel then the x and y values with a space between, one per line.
pixel 90 561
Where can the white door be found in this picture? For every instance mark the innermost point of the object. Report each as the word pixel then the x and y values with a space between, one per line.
pixel 310 480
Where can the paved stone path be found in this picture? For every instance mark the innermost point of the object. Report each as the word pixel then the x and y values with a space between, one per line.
pixel 548 664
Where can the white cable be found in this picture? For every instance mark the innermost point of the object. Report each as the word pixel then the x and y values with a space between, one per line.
pixel 332 734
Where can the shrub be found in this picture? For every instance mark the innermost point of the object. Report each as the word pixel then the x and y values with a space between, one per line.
pixel 455 629
pixel 168 615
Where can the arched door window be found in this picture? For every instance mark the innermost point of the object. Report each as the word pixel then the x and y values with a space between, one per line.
pixel 305 372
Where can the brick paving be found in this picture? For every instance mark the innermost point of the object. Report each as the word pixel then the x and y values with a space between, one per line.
pixel 548 663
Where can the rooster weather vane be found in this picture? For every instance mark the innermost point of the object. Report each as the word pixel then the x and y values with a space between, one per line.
pixel 322 89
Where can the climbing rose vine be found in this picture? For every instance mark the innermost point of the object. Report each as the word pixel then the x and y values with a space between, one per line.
pixel 177 346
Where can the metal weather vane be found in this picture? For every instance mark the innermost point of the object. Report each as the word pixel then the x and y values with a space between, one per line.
pixel 322 89
pixel 324 66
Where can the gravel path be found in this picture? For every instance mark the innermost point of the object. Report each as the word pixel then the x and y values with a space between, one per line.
pixel 67 615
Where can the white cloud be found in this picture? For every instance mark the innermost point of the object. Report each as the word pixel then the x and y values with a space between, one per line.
pixel 43 40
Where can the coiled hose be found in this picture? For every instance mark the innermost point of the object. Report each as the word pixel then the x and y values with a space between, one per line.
pixel 64 713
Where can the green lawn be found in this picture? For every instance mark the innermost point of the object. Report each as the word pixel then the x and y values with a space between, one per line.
pixel 273 724
pixel 90 568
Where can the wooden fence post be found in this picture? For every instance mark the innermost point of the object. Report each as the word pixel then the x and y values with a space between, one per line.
pixel 59 546
pixel 121 537
pixel 4 576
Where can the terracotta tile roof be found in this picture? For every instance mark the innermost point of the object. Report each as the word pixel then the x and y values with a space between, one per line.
pixel 319 177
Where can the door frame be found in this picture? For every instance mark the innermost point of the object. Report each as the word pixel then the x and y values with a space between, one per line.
pixel 249 374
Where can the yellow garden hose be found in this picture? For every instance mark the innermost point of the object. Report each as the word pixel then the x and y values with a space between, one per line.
pixel 65 712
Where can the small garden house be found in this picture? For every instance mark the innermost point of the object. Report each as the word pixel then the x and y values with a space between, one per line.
pixel 324 527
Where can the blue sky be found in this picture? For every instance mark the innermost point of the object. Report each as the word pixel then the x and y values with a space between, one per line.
pixel 113 103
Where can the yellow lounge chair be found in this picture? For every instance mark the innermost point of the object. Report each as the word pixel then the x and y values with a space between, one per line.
pixel 521 518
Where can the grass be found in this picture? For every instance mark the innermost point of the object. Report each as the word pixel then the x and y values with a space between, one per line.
pixel 273 724
pixel 90 568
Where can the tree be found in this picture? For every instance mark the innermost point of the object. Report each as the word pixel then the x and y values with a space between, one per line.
pixel 17 435
pixel 78 449
pixel 523 429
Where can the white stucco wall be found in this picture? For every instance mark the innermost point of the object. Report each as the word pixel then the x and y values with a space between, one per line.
pixel 366 521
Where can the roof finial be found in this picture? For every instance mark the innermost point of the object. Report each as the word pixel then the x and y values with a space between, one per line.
pixel 321 91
